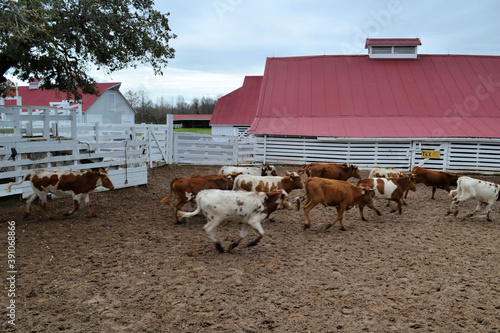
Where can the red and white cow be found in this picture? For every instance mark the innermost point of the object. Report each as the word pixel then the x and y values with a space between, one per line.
pixel 247 208
pixel 287 183
pixel 389 188
pixel 78 183
pixel 186 189
pixel 486 193
pixel 266 170
pixel 385 173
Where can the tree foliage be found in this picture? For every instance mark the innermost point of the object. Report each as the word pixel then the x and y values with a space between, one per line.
pixel 156 113
pixel 60 40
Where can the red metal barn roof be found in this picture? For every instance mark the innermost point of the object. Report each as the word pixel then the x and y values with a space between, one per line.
pixel 355 96
pixel 39 97
pixel 239 106
pixel 392 41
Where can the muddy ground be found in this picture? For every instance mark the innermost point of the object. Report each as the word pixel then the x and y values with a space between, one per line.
pixel 132 270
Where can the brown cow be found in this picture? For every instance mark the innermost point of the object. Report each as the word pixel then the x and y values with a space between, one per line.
pixel 330 170
pixel 78 183
pixel 436 179
pixel 338 193
pixel 389 188
pixel 186 188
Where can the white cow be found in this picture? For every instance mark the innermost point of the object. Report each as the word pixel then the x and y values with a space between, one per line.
pixel 486 193
pixel 248 208
pixel 385 173
pixel 266 170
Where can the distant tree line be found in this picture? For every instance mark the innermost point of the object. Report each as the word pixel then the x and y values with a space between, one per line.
pixel 156 113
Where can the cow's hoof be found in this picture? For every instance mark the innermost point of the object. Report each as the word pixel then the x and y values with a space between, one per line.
pixel 219 248
pixel 307 226
pixel 343 229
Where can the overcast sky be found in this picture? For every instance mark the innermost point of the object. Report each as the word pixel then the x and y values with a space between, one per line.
pixel 221 41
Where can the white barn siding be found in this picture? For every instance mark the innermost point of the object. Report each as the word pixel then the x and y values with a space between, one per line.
pixel 110 108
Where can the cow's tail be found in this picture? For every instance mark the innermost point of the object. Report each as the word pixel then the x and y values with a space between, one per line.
pixel 303 169
pixel 26 177
pixel 167 198
pixel 182 214
pixel 456 191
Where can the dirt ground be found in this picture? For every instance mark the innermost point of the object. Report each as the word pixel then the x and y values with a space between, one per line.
pixel 132 270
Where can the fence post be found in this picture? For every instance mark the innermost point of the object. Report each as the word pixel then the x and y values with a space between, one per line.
pixel 169 138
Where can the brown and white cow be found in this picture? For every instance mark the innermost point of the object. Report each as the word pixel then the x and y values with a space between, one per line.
pixel 436 179
pixel 78 183
pixel 287 183
pixel 185 189
pixel 338 193
pixel 330 170
pixel 486 193
pixel 266 170
pixel 389 188
pixel 247 208
pixel 385 173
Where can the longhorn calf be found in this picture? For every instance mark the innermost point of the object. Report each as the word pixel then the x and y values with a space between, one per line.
pixel 338 193
pixel 78 183
pixel 389 188
pixel 186 189
pixel 287 183
pixel 486 193
pixel 435 179
pixel 266 170
pixel 248 208
pixel 330 170
pixel 385 173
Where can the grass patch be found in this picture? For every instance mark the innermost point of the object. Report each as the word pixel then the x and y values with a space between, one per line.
pixel 194 130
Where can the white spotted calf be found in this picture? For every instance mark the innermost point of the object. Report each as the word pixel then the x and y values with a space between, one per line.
pixel 248 208
pixel 486 193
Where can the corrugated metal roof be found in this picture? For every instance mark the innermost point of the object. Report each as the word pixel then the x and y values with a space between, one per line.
pixel 355 96
pixel 392 41
pixel 39 97
pixel 239 106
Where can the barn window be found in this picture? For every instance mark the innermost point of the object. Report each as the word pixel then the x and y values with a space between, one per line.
pixel 111 101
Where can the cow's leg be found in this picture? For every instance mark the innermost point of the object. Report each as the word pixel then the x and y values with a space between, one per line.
pixel 307 208
pixel 400 203
pixel 176 207
pixel 245 228
pixel 255 223
pixel 433 192
pixel 87 201
pixel 29 201
pixel 406 193
pixel 76 205
pixel 43 205
pixel 488 209
pixel 361 212
pixel 211 229
pixel 340 215
pixel 478 207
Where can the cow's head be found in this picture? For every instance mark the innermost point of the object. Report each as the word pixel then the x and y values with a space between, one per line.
pixel 294 180
pixel 269 170
pixel 284 202
pixel 413 183
pixel 105 181
pixel 354 171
